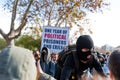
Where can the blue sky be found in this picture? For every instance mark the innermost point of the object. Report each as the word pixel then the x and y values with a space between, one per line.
pixel 105 26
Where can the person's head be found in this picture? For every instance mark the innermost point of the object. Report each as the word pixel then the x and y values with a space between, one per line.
pixel 114 65
pixel 84 47
pixel 36 54
pixel 45 54
pixel 54 56
pixel 108 54
pixel 44 49
pixel 17 63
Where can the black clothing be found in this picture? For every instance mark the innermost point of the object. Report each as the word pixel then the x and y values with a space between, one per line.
pixel 83 41
pixel 69 66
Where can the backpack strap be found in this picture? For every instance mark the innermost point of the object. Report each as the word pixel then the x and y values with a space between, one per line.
pixel 76 60
pixel 76 63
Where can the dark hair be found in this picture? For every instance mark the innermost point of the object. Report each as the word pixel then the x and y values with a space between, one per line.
pixel 114 63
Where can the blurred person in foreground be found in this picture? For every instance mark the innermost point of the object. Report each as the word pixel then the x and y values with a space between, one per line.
pixel 17 64
pixel 114 65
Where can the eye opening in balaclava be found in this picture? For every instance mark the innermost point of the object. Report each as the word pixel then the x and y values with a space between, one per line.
pixel 84 41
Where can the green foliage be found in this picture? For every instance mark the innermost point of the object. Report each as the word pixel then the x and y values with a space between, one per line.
pixel 28 42
pixel 3 43
pixel 34 32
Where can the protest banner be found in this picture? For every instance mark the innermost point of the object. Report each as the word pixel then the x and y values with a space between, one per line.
pixel 55 38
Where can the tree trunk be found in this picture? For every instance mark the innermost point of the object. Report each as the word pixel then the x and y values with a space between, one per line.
pixel 9 37
pixel 10 42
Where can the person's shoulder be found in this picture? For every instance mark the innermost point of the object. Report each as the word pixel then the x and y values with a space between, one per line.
pixel 70 56
pixel 94 56
pixel 69 60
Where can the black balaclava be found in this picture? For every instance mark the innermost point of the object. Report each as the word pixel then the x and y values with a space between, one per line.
pixel 84 41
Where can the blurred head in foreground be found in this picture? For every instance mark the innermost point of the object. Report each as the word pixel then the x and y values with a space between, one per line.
pixel 114 64
pixel 17 64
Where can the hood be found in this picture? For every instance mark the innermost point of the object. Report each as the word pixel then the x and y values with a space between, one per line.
pixel 45 56
pixel 84 41
pixel 17 63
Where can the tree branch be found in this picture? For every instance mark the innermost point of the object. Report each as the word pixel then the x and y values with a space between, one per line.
pixel 23 21
pixel 3 34
pixel 13 16
pixel 49 19
pixel 58 23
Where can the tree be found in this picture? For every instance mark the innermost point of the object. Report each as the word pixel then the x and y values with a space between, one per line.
pixel 28 42
pixel 14 33
pixel 3 44
pixel 57 13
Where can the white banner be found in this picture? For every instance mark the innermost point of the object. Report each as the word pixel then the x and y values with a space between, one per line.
pixel 55 38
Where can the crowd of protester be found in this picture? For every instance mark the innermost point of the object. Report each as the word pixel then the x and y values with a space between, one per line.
pixel 18 63
pixel 100 64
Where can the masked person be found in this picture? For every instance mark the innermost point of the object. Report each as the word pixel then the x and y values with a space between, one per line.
pixel 84 57
pixel 45 60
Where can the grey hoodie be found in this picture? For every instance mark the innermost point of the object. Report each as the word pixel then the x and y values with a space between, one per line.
pixel 45 60
pixel 17 63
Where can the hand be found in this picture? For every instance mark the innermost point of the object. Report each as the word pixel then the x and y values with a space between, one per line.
pixel 39 69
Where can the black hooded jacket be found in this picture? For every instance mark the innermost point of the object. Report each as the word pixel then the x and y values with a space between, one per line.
pixel 83 41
